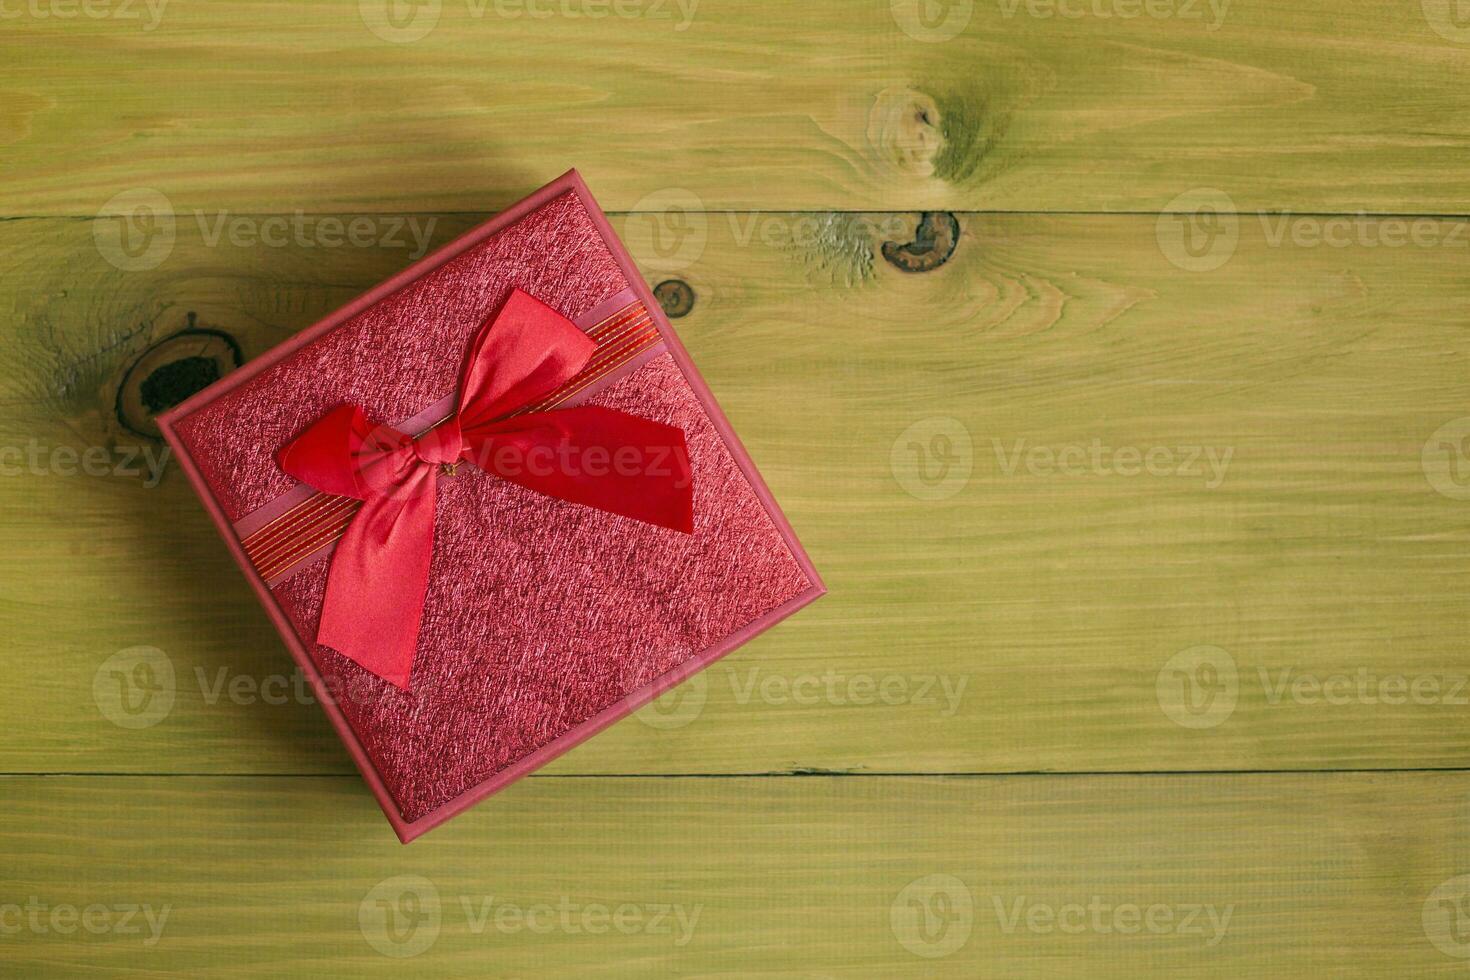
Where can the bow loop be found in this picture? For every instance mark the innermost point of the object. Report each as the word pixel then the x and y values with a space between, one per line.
pixel 529 350
pixel 588 455
pixel 328 454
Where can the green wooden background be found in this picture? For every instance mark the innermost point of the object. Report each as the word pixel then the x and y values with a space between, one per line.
pixel 1120 398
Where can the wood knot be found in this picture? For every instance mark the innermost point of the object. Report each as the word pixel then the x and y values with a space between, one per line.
pixel 675 296
pixel 905 131
pixel 934 242
pixel 170 371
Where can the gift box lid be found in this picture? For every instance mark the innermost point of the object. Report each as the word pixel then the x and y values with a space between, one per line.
pixel 544 621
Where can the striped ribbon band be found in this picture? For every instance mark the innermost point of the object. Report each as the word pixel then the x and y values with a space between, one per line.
pixel 287 542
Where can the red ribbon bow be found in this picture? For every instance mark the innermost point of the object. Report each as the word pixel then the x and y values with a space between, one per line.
pixel 380 572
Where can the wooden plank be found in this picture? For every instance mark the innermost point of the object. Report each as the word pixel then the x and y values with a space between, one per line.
pixel 1053 105
pixel 1224 876
pixel 1294 604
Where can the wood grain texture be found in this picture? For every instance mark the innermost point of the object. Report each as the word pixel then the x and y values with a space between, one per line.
pixel 1118 508
pixel 1045 105
pixel 1288 875
pixel 1040 608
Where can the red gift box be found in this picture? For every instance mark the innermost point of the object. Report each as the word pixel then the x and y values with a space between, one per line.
pixel 544 620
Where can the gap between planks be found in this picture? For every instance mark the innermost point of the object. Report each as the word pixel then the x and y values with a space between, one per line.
pixel 818 774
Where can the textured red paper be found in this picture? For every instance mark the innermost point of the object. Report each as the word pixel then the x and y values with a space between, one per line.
pixel 541 615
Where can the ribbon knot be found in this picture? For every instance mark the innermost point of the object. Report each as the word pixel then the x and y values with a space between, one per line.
pixel 443 445
pixel 598 457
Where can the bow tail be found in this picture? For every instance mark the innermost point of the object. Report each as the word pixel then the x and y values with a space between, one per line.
pixel 597 457
pixel 378 580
